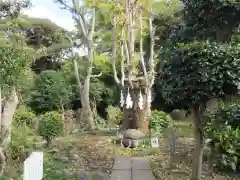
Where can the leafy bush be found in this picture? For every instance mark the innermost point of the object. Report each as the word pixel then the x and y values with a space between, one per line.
pixel 24 117
pixel 158 121
pixel 178 114
pixel 23 139
pixel 100 122
pixel 50 125
pixel 51 91
pixel 115 115
pixel 223 133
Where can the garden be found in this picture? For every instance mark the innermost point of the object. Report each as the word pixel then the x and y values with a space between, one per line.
pixel 163 69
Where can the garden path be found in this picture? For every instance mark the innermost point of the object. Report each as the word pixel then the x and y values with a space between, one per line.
pixel 131 168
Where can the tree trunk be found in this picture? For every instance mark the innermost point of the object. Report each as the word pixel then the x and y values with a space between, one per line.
pixel 7 116
pixel 2 161
pixel 199 144
pixel 86 112
pixel 0 106
pixel 136 118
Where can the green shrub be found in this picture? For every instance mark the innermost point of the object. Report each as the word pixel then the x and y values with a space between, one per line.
pixel 178 114
pixel 50 125
pixel 99 121
pixel 22 141
pixel 158 121
pixel 223 134
pixel 24 117
pixel 115 115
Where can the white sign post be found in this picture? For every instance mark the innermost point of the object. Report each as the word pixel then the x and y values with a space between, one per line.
pixel 33 167
pixel 154 142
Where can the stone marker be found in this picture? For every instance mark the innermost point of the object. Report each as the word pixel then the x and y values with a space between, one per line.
pixel 131 138
pixel 133 134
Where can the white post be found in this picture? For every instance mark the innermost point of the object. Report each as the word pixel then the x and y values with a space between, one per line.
pixel 33 167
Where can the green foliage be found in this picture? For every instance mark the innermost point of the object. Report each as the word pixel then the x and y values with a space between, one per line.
pixel 50 92
pixel 24 117
pixel 22 140
pixel 99 121
pixel 216 19
pixel 54 168
pixel 200 71
pixel 158 121
pixel 50 125
pixel 12 67
pixel 8 8
pixel 102 89
pixel 223 135
pixel 115 115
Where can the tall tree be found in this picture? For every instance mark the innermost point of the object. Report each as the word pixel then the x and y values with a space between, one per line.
pixel 84 15
pixel 137 74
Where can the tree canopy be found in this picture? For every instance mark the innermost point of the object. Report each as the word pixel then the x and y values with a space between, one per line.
pixel 200 71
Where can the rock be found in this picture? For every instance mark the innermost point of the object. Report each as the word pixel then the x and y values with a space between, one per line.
pixel 131 143
pixel 64 159
pixel 100 176
pixel 126 142
pixel 74 131
pixel 75 156
pixel 93 166
pixel 133 134
pixel 53 151
pixel 84 176
pixel 134 143
pixel 66 173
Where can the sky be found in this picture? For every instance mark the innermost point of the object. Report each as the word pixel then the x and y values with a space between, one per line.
pixel 47 9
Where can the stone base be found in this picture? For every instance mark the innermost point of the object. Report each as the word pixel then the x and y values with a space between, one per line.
pixel 129 143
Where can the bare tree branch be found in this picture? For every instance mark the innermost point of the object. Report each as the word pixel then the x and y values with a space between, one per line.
pixel 96 75
pixel 90 34
pixel 141 47
pixel 151 58
pixel 75 64
pixel 123 57
pixel 114 49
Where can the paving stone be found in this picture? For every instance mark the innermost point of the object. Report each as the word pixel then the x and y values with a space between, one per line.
pixel 140 163
pixel 142 175
pixel 121 175
pixel 129 168
pixel 122 162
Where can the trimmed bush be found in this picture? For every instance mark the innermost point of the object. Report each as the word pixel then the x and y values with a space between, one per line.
pixel 158 121
pixel 223 134
pixel 50 125
pixel 24 117
pixel 115 115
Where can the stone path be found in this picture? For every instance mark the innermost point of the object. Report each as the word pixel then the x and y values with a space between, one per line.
pixel 131 168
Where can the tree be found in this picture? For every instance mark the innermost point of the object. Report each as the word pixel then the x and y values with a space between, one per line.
pixel 12 9
pixel 13 66
pixel 51 91
pixel 211 19
pixel 137 75
pixel 15 58
pixel 103 90
pixel 85 31
pixel 195 73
